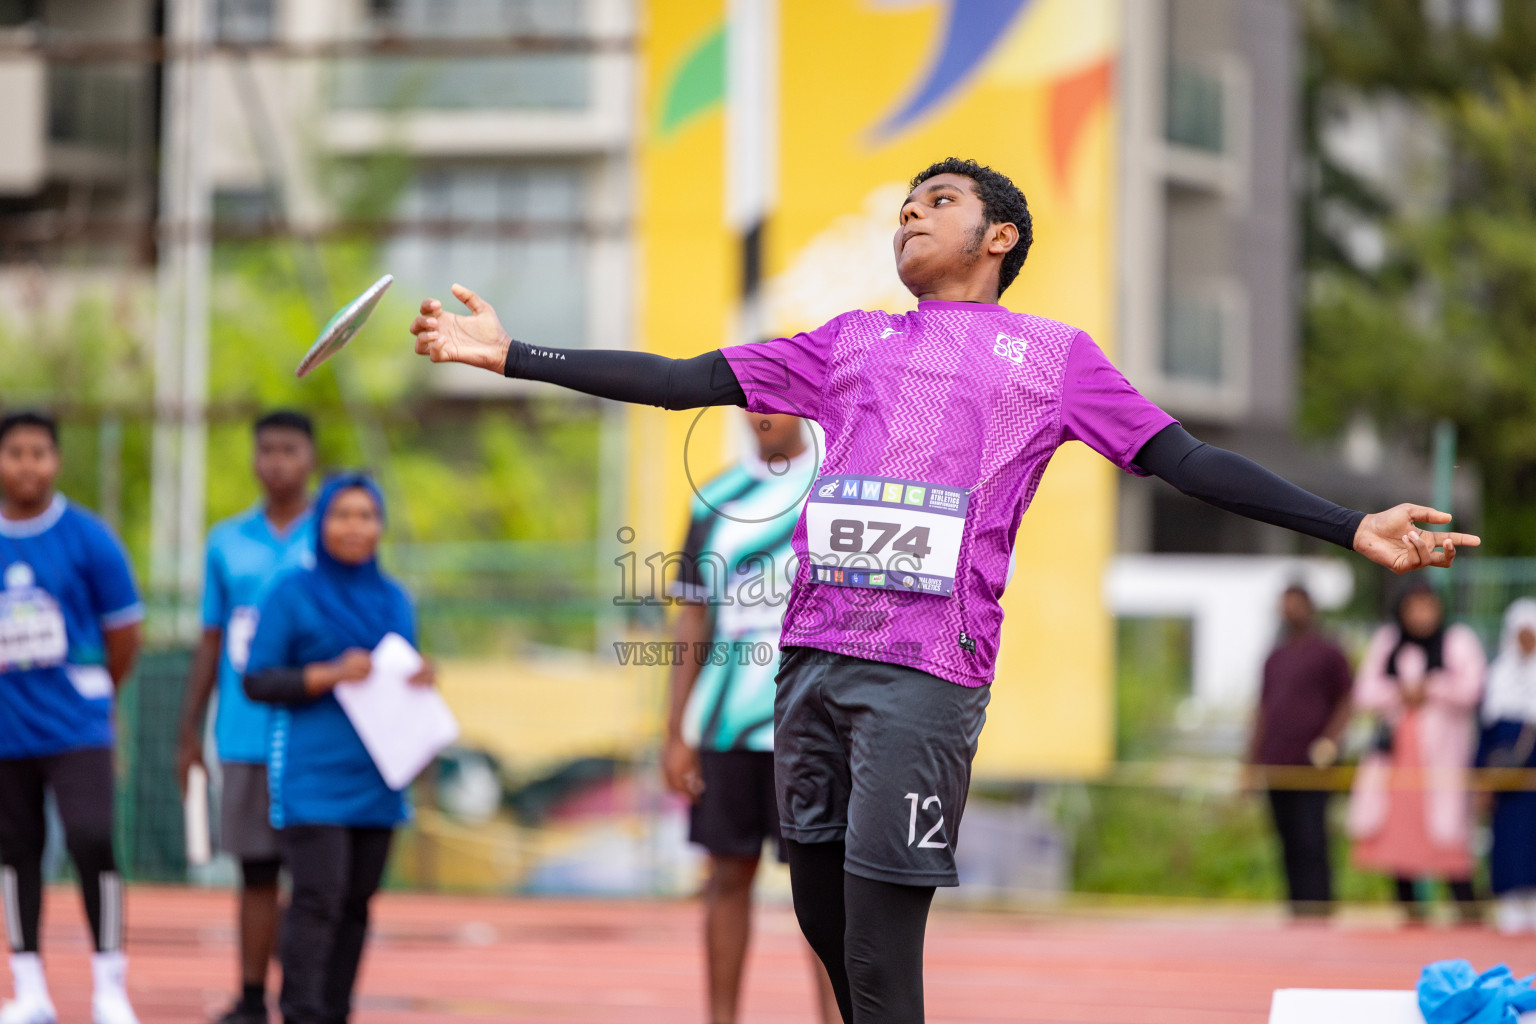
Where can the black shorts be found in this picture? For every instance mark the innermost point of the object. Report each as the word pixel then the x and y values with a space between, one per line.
pixel 876 755
pixel 737 812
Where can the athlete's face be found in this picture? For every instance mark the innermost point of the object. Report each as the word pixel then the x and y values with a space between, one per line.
pixel 945 234
pixel 284 461
pixel 29 464
pixel 1527 640
pixel 352 527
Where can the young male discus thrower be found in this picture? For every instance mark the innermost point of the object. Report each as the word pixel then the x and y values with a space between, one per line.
pixel 939 424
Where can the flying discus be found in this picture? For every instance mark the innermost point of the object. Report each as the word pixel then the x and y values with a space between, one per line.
pixel 343 327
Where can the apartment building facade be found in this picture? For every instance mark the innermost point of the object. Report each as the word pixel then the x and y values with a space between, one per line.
pixel 1211 288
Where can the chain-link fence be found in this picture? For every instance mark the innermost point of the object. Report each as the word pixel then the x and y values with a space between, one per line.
pixel 151 843
pixel 1163 822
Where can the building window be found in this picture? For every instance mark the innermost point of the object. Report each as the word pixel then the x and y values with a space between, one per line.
pixel 513 232
pixel 245 21
pixel 1483 18
pixel 93 106
pixel 523 81
pixel 16 13
pixel 478 18
pixel 245 209
pixel 543 81
pixel 1195 339
pixel 1195 108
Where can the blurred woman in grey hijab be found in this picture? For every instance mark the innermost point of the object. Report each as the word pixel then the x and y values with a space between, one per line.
pixel 1509 742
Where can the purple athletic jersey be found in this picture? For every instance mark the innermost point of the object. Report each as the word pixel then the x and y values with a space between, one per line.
pixel 955 394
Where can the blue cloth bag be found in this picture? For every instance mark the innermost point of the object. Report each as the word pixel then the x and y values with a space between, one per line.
pixel 1452 992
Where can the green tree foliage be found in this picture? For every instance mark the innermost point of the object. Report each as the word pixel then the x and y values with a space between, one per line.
pixel 85 359
pixel 455 470
pixel 1442 326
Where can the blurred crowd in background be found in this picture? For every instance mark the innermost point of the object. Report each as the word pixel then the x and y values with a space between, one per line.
pixel 1425 708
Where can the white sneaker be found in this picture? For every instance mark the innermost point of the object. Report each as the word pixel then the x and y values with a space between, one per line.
pixel 112 1008
pixel 1511 916
pixel 36 1010
pixel 31 1005
pixel 109 1002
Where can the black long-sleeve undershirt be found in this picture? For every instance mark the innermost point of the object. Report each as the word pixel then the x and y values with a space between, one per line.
pixel 1214 475
pixel 1229 481
pixel 277 686
pixel 642 378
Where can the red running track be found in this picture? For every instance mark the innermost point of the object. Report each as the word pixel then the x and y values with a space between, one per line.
pixel 454 959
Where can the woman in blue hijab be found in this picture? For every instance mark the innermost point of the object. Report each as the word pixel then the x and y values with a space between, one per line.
pixel 336 813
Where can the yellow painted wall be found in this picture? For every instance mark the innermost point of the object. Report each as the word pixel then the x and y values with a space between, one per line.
pixel 688 272
pixel 1040 107
pixel 538 712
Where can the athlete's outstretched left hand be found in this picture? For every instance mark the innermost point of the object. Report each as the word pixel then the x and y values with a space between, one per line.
pixel 1391 539
pixel 476 340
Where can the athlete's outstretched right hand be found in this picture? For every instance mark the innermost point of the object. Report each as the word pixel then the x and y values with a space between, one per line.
pixel 476 340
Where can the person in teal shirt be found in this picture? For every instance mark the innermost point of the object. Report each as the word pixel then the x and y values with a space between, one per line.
pixel 733 580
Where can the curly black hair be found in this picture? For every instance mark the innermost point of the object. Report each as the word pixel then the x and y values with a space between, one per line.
pixel 1002 202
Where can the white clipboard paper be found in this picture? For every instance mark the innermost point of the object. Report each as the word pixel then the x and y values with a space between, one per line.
pixel 195 815
pixel 402 726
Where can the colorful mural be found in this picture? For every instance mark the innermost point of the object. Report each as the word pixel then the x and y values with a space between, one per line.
pixel 865 93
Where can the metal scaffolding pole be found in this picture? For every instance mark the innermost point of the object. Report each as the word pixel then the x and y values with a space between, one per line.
pixel 181 322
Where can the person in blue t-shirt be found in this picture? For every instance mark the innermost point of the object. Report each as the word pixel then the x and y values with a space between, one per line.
pixel 69 632
pixel 245 553
pixel 335 812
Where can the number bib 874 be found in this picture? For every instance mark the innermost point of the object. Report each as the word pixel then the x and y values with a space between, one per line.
pixel 864 531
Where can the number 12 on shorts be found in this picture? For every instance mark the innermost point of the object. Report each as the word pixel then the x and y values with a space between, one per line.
pixel 927 842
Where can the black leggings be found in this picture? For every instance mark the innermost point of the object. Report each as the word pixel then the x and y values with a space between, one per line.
pixel 82 784
pixel 260 874
pixel 869 934
pixel 335 872
pixel 1301 822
